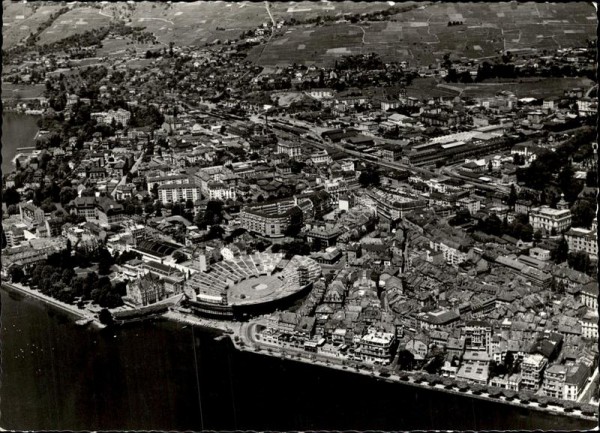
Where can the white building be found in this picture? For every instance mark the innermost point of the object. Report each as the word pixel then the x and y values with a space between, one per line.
pixel 546 218
pixel 450 250
pixel 470 204
pixel 173 193
pixel 580 239
pixel 321 93
pixel 376 346
pixel 169 179
pixel 532 368
pixel 220 191
pixel 589 326
pixel 290 149
pixel 321 157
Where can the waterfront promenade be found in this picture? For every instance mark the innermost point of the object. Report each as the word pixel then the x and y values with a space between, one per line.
pixel 72 310
pixel 247 340
pixel 244 338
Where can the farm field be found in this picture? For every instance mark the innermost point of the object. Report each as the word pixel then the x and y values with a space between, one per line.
pixel 312 9
pixel 76 21
pixel 22 91
pixel 422 36
pixel 20 19
pixel 535 87
pixel 196 23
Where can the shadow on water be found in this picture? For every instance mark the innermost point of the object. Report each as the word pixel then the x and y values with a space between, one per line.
pixel 160 375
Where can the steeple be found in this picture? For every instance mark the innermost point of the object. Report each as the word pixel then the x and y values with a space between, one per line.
pixel 562 204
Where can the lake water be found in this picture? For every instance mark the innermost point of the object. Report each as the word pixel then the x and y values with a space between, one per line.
pixel 18 130
pixel 157 375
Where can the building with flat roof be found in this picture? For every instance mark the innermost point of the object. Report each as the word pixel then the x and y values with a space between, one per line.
pixel 554 381
pixel 580 239
pixel 271 221
pixel 532 368
pixel 548 219
pixel 478 335
pixel 437 319
pixel 376 346
pixel 220 191
pixel 292 150
pixel 175 192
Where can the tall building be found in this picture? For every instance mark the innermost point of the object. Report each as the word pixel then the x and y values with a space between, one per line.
pixel 478 336
pixel 532 368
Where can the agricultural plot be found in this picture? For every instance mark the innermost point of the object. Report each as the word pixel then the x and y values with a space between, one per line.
pixel 534 87
pixel 422 35
pixel 19 20
pixel 113 47
pixel 198 23
pixel 322 46
pixel 78 20
pixel 310 10
pixel 22 91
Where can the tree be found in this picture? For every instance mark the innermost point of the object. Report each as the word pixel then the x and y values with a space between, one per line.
pixel 509 362
pixel 66 195
pixel 560 252
pixel 579 261
pixel 149 208
pixel 568 184
pixel 11 196
pixel 105 317
pixel 105 261
pixel 462 216
pixel 512 196
pixel 213 213
pixel 179 257
pixel 583 213
pixel 526 233
pixel 47 205
pixel 369 177
pixel 215 232
pixel 537 235
pixel 4 242
pixel 591 179
pixel 16 274
pixel 405 360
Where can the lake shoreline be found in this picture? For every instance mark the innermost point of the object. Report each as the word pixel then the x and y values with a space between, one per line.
pixel 235 329
pixel 19 130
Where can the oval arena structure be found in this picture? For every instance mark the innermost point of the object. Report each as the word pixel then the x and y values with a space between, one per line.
pixel 249 285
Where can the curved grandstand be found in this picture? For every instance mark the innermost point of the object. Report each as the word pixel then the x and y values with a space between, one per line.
pixel 251 284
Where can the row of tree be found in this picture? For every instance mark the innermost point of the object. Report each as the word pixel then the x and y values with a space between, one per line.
pixel 56 276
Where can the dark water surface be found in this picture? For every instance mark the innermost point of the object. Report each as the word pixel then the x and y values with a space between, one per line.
pixel 18 130
pixel 57 375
